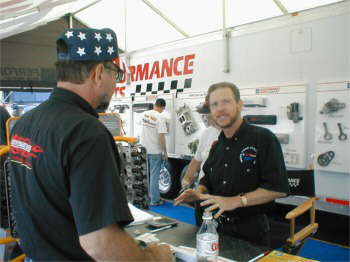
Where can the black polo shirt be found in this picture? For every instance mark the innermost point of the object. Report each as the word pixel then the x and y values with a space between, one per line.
pixel 252 158
pixel 65 178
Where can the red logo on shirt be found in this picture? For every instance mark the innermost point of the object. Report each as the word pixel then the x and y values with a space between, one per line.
pixel 22 151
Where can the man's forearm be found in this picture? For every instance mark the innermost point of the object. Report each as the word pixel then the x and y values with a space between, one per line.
pixel 162 142
pixel 112 243
pixel 193 167
pixel 262 196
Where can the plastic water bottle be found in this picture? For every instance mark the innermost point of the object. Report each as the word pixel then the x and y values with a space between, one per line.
pixel 207 240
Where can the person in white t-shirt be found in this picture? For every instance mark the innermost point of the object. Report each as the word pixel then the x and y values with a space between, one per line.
pixel 153 139
pixel 205 142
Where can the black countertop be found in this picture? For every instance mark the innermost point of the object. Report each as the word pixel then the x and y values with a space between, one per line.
pixel 185 234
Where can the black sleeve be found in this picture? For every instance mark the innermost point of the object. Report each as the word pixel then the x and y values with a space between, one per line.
pixel 205 180
pixel 273 174
pixel 97 196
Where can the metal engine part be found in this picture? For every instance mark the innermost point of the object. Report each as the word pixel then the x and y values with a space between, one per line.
pixel 193 146
pixel 325 158
pixel 332 106
pixel 327 135
pixel 188 124
pixel 342 136
pixel 134 173
pixel 119 108
pixel 293 112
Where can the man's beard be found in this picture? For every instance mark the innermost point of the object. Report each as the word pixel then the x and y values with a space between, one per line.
pixel 230 123
pixel 104 103
pixel 102 107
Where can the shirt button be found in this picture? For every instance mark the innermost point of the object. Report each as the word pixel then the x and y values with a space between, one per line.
pixel 224 182
pixel 227 148
pixel 236 138
pixel 248 169
pixel 225 165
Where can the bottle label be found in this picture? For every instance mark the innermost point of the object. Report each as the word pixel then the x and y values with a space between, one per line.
pixel 207 247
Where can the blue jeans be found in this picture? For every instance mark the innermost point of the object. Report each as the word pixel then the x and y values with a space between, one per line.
pixel 154 164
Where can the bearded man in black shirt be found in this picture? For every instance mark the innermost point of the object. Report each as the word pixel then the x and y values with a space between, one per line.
pixel 244 173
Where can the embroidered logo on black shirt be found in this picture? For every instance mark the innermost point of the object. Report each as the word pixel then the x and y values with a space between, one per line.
pixel 23 151
pixel 248 154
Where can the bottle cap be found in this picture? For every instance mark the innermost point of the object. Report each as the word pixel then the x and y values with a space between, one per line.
pixel 207 215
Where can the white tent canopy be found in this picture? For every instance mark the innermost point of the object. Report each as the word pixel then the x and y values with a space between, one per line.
pixel 17 16
pixel 144 23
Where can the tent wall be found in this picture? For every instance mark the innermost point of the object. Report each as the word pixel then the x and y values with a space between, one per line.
pixel 27 59
pixel 310 49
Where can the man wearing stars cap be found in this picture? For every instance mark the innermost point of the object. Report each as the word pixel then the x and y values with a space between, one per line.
pixel 68 199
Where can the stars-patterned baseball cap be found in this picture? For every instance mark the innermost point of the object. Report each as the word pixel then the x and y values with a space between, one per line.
pixel 87 44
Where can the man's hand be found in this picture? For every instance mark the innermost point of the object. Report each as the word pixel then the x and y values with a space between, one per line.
pixel 189 195
pixel 219 202
pixel 165 156
pixel 159 252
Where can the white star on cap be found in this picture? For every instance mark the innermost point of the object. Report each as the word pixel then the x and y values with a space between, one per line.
pixel 82 36
pixel 110 50
pixel 109 37
pixel 98 50
pixel 98 36
pixel 81 51
pixel 69 34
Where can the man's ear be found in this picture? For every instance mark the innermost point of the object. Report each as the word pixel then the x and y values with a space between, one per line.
pixel 96 74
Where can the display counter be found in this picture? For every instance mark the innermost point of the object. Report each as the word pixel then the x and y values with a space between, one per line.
pixel 185 235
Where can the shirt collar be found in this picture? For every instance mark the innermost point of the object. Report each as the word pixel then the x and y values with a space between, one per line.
pixel 236 135
pixel 70 97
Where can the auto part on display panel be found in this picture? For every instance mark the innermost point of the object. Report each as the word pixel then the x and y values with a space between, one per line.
pixel 134 173
pixel 119 108
pixel 261 119
pixel 332 106
pixel 188 124
pixel 327 135
pixel 325 158
pixel 283 138
pixel 293 112
pixel 254 102
pixel 342 136
pixel 192 146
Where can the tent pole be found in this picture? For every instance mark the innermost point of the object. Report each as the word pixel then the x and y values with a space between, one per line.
pixel 70 21
pixel 226 39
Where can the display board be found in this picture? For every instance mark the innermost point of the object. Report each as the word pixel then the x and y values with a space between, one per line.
pixel 333 127
pixel 282 110
pixel 123 107
pixel 190 123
